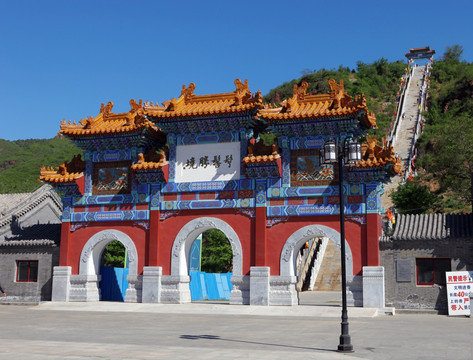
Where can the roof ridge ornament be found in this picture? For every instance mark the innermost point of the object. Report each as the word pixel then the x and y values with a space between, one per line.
pixel 240 87
pixel 152 155
pixel 337 93
pixel 135 115
pixel 76 165
pixel 300 91
pixel 136 106
pixel 242 91
pixel 106 110
pixel 374 155
pixel 372 143
pixel 188 92
pixel 88 123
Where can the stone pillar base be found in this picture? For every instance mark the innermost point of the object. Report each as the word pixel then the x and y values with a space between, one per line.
pixel 134 291
pixel 283 290
pixel 373 287
pixel 175 289
pixel 354 291
pixel 61 283
pixel 259 285
pixel 85 288
pixel 151 291
pixel 240 294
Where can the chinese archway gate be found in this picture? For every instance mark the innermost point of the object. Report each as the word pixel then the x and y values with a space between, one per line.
pixel 156 177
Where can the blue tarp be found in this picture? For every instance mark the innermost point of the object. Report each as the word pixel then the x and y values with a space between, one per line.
pixel 205 286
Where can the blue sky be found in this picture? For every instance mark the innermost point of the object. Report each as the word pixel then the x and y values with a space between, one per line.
pixel 62 59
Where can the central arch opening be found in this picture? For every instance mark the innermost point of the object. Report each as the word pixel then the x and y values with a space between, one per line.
pixel 319 272
pixel 211 267
pixel 318 266
pixel 114 271
pixel 327 281
pixel 181 251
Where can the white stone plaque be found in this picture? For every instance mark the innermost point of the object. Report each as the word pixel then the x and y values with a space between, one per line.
pixel 208 162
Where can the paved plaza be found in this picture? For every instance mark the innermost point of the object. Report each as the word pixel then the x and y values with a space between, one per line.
pixel 104 330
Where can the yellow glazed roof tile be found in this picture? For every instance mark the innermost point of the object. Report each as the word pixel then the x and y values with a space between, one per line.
pixel 336 103
pixel 258 152
pixel 374 155
pixel 150 160
pixel 261 158
pixel 67 172
pixel 107 122
pixel 189 104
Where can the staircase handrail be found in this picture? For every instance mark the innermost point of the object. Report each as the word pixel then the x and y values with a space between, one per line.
pixel 308 262
pixel 419 123
pixel 400 109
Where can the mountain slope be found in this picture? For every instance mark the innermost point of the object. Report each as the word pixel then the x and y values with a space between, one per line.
pixel 21 160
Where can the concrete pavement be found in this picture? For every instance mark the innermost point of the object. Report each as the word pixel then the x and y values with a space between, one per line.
pixel 102 330
pixel 315 304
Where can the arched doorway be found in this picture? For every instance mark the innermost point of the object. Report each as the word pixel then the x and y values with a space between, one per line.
pixel 211 269
pixel 181 253
pixel 329 239
pixel 114 272
pixel 91 261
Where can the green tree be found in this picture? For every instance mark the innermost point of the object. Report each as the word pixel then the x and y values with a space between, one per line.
pixel 114 255
pixel 453 53
pixel 217 255
pixel 454 157
pixel 413 198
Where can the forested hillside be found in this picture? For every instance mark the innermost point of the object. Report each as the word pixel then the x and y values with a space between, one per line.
pixel 21 160
pixel 445 161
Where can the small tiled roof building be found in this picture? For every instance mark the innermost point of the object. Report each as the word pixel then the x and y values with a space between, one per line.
pixel 30 232
pixel 417 254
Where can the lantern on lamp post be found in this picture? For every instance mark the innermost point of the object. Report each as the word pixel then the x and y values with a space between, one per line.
pixel 346 153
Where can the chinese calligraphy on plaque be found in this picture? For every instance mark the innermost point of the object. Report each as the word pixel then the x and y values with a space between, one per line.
pixel 204 161
pixel 208 162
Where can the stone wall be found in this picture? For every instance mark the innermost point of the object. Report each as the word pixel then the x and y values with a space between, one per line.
pixel 47 257
pixel 402 290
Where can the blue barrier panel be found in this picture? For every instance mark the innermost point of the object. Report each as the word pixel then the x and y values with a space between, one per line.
pixel 219 282
pixel 121 274
pixel 226 285
pixel 205 295
pixel 211 285
pixel 205 286
pixel 195 286
pixel 113 283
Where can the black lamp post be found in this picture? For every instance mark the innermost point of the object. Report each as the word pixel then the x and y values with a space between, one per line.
pixel 347 153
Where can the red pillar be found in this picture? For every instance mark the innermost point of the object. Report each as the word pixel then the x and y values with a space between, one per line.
pixel 260 236
pixel 65 240
pixel 373 233
pixel 153 242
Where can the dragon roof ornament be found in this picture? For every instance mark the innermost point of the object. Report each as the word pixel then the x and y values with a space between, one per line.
pixel 108 122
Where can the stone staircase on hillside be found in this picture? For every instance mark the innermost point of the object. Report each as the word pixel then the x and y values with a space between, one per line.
pixel 406 132
pixel 328 278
